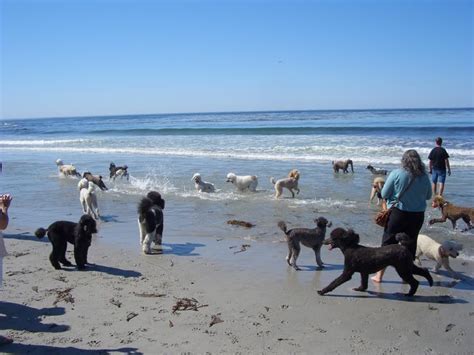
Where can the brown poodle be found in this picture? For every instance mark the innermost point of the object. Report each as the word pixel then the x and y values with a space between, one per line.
pixel 451 212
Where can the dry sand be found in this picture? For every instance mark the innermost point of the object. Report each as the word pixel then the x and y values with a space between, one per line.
pixel 245 302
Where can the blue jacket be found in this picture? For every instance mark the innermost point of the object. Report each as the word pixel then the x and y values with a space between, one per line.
pixel 414 199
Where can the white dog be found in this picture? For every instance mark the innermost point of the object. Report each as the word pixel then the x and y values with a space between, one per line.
pixel 67 170
pixel 242 183
pixel 83 184
pixel 88 200
pixel 291 182
pixel 202 186
pixel 438 252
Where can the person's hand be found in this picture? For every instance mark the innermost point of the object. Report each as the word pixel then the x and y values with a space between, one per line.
pixel 431 172
pixel 449 172
pixel 5 200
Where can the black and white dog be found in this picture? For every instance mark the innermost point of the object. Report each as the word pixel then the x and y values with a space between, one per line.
pixel 79 234
pixel 376 171
pixel 118 171
pixel 95 179
pixel 150 220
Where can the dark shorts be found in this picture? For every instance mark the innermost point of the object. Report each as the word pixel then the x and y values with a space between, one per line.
pixel 438 176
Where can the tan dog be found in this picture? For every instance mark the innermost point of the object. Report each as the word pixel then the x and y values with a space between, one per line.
pixel 438 252
pixel 291 182
pixel 67 169
pixel 451 212
pixel 342 164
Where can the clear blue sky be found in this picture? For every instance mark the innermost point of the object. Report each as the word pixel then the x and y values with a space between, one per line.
pixel 101 57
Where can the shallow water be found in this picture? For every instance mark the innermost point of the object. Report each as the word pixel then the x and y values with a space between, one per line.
pixel 245 144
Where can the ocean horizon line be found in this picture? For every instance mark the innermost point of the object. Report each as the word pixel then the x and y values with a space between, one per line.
pixel 239 112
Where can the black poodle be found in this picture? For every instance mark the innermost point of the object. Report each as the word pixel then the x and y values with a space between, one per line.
pixel 150 220
pixel 365 260
pixel 79 234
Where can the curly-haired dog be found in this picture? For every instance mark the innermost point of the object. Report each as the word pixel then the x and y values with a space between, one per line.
pixel 79 234
pixel 150 220
pixel 88 199
pixel 67 170
pixel 95 179
pixel 291 182
pixel 311 238
pixel 376 171
pixel 366 260
pixel 342 165
pixel 202 186
pixel 118 171
pixel 242 183
pixel 438 252
pixel 452 212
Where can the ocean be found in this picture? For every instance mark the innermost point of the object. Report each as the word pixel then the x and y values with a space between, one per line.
pixel 163 151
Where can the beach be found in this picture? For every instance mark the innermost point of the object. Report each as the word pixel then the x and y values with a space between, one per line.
pixel 241 294
pixel 125 302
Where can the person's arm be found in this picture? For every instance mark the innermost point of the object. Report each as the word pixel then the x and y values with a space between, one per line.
pixel 387 190
pixel 4 204
pixel 448 167
pixel 431 166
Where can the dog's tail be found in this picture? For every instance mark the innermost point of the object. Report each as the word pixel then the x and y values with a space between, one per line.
pixel 403 239
pixel 282 226
pixel 272 180
pixel 144 206
pixel 40 232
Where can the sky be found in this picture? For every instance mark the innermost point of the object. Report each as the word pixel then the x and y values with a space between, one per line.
pixel 105 57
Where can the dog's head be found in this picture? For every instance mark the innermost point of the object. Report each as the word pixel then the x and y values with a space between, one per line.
pixel 59 162
pixel 342 239
pixel 438 201
pixel 87 224
pixel 294 174
pixel 450 248
pixel 322 222
pixel 156 198
pixel 231 177
pixel 86 174
pixel 196 178
pixel 112 167
pixel 370 167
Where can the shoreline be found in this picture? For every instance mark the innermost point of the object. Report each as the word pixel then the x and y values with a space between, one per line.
pixel 265 306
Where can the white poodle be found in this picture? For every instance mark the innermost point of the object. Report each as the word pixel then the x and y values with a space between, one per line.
pixel 202 186
pixel 88 200
pixel 242 183
pixel 291 182
pixel 438 252
pixel 83 184
pixel 67 170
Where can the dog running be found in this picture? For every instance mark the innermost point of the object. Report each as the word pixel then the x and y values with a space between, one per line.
pixel 366 260
pixel 118 171
pixel 290 183
pixel 150 220
pixel 452 212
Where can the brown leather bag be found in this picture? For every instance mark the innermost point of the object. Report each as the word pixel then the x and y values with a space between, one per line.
pixel 381 218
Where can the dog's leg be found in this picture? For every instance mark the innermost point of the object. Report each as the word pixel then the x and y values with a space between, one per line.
pixel 407 276
pixel 364 282
pixel 146 244
pixel 159 234
pixel 292 193
pixel 423 272
pixel 296 253
pixel 452 273
pixel 61 254
pixel 317 252
pixel 142 232
pixel 344 277
pixel 467 220
pixel 297 190
pixel 53 258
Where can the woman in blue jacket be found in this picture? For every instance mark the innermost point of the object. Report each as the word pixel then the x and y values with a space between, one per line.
pixel 407 189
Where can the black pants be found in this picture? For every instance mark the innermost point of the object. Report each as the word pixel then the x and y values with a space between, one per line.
pixel 403 222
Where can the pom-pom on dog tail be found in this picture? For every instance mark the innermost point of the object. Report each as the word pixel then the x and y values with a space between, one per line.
pixel 40 233
pixel 282 226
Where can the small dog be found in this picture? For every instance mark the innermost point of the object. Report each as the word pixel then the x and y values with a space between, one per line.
pixel 438 252
pixel 150 220
pixel 377 186
pixel 88 199
pixel 202 186
pixel 342 164
pixel 376 171
pixel 79 234
pixel 311 238
pixel 452 212
pixel 365 260
pixel 67 170
pixel 118 171
pixel 291 182
pixel 95 179
pixel 242 183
